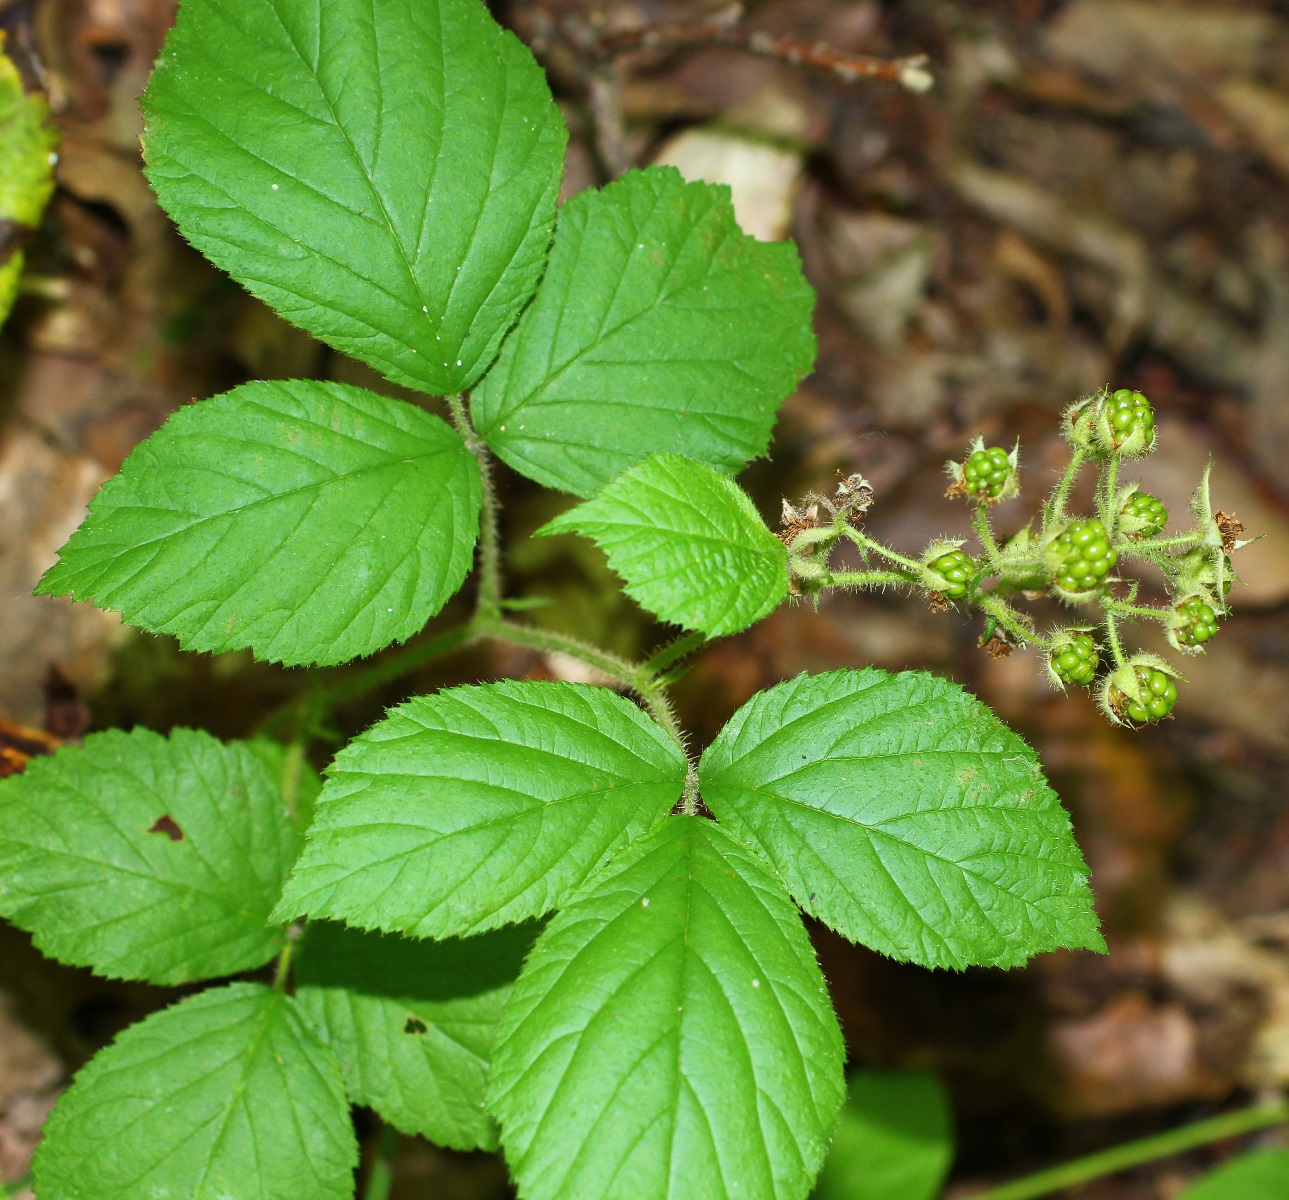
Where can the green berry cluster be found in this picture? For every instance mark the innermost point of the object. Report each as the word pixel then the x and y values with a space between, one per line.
pixel 1198 621
pixel 955 569
pixel 1075 663
pixel 1126 422
pixel 1143 515
pixel 1157 693
pixel 1082 556
pixel 986 473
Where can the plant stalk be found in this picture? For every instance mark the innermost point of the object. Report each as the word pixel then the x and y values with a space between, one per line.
pixel 1144 1150
pixel 380 1180
pixel 490 580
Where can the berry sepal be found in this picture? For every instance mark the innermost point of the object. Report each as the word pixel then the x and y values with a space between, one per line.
pixel 1141 515
pixel 1192 623
pixel 1074 658
pixel 950 570
pixel 1080 559
pixel 1140 692
pixel 988 475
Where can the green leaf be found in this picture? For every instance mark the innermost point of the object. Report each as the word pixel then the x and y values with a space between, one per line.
pixel 659 326
pixel 145 857
pixel 311 522
pixel 27 141
pixel 904 814
pixel 1260 1175
pixel 689 543
pixel 671 1034
pixel 412 1023
pixel 228 1095
pixel 480 806
pixel 894 1140
pixel 384 176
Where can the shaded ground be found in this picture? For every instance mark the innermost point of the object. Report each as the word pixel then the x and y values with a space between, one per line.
pixel 1094 191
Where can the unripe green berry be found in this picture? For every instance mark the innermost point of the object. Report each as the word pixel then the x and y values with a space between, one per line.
pixel 1076 661
pixel 986 472
pixel 1156 695
pixel 1125 424
pixel 1143 515
pixel 1081 557
pixel 954 569
pixel 1198 622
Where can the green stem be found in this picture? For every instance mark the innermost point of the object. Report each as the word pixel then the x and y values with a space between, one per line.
pixel 1123 609
pixel 638 679
pixel 1109 486
pixel 1007 617
pixel 867 579
pixel 1112 635
pixel 380 1180
pixel 491 586
pixel 980 519
pixel 1144 1150
pixel 358 683
pixel 282 972
pixel 866 543
pixel 17 1187
pixel 1054 511
pixel 674 651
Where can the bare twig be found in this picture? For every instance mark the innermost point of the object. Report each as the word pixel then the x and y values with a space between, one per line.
pixel 910 72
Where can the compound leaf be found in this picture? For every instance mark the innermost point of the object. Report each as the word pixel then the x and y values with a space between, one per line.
pixel 228 1095
pixel 480 806
pixel 689 543
pixel 894 1140
pixel 671 1036
pixel 146 857
pixel 383 175
pixel 904 814
pixel 412 1022
pixel 1259 1175
pixel 311 522
pixel 27 141
pixel 658 327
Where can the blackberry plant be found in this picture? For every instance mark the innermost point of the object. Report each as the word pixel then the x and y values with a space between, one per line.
pixel 525 915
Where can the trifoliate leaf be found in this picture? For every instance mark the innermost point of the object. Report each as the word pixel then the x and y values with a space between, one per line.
pixel 1260 1175
pixel 146 857
pixel 481 806
pixel 894 1140
pixel 904 814
pixel 658 327
pixel 689 543
pixel 384 175
pixel 412 1022
pixel 27 141
pixel 311 522
pixel 670 1037
pixel 228 1095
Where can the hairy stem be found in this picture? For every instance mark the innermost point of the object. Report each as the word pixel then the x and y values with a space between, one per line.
pixel 1112 635
pixel 869 579
pixel 1010 620
pixel 359 683
pixel 980 519
pixel 282 971
pixel 674 651
pixel 1054 510
pixel 864 542
pixel 490 580
pixel 1144 1150
pixel 1109 486
pixel 380 1180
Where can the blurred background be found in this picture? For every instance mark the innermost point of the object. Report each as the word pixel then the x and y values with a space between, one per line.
pixel 1094 191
